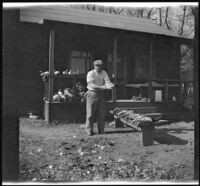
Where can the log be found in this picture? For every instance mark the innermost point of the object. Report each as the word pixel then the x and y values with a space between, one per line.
pixel 132 119
pixel 130 125
pixel 139 122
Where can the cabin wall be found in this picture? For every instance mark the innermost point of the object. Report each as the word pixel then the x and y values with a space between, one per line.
pixel 11 91
pixel 167 62
pixel 33 52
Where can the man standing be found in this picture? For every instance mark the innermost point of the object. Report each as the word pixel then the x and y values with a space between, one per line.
pixel 98 81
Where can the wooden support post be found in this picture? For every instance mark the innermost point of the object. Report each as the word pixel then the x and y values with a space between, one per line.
pixel 46 90
pixel 114 67
pixel 125 69
pixel 185 90
pixel 150 92
pixel 51 64
pixel 166 90
pixel 68 50
pixel 178 49
pixel 181 91
pixel 125 75
pixel 91 61
pixel 150 95
pixel 140 92
pixel 196 94
pixel 86 62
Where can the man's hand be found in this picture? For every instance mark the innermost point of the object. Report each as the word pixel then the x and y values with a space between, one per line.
pixel 109 85
pixel 103 87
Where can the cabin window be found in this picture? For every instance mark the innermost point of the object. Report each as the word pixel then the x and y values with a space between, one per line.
pixel 80 61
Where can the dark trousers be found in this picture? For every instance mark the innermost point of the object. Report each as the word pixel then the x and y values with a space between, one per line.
pixel 95 108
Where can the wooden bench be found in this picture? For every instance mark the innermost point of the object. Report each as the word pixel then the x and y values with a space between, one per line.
pixel 139 122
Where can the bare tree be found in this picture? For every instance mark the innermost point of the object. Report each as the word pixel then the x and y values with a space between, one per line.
pixel 91 7
pixel 100 9
pixel 190 19
pixel 130 12
pixel 141 12
pixel 118 10
pixel 193 10
pixel 183 21
pixel 149 13
pixel 160 16
pixel 166 18
pixel 111 10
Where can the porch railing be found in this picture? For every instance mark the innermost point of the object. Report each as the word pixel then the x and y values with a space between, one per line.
pixel 183 86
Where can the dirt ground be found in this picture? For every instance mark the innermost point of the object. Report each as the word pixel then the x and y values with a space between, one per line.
pixel 62 152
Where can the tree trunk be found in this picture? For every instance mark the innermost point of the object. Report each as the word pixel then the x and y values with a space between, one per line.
pixel 183 21
pixel 160 16
pixel 149 13
pixel 166 17
pixel 141 13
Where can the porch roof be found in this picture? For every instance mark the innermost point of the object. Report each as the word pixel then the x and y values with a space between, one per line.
pixel 93 18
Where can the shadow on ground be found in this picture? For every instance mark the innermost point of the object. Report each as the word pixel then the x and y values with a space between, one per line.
pixel 175 130
pixel 121 131
pixel 163 137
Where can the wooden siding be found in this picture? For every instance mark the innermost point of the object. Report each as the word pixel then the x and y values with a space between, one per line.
pixel 72 15
pixel 33 57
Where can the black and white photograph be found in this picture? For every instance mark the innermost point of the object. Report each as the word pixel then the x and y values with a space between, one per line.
pixel 100 93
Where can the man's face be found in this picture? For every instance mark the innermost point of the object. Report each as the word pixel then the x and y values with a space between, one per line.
pixel 98 68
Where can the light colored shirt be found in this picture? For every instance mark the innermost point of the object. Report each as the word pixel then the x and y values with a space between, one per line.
pixel 97 78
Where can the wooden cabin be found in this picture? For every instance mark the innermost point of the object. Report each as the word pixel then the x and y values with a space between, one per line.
pixel 141 58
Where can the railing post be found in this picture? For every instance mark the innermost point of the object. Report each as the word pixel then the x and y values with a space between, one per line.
pixel 125 75
pixel 196 93
pixel 186 89
pixel 166 91
pixel 114 67
pixel 150 95
pixel 181 91
pixel 51 65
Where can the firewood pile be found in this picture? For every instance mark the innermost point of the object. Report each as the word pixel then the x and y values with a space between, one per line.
pixel 131 118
